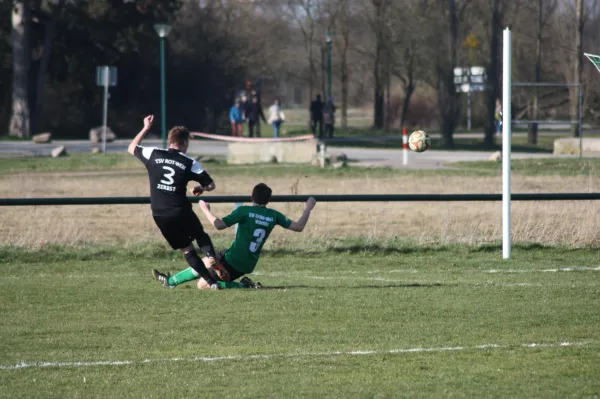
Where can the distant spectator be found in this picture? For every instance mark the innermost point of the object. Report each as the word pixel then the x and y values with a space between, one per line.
pixel 236 116
pixel 276 117
pixel 316 116
pixel 245 105
pixel 254 114
pixel 498 117
pixel 329 118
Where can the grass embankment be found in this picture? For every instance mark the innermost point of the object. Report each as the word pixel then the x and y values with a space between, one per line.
pixel 565 223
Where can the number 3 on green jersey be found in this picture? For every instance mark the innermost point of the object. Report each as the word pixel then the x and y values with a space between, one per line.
pixel 259 235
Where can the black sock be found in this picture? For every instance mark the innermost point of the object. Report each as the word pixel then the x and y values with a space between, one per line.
pixel 206 246
pixel 196 263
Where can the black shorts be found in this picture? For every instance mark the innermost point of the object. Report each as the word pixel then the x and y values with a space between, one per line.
pixel 180 231
pixel 233 274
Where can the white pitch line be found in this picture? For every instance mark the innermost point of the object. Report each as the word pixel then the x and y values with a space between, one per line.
pixel 562 269
pixel 210 359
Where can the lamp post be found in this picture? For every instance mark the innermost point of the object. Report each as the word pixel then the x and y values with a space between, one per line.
pixel 163 31
pixel 328 39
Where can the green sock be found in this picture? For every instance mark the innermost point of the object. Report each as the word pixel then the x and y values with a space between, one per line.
pixel 229 284
pixel 183 277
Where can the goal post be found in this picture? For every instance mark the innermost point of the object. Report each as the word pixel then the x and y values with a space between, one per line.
pixel 595 59
pixel 506 139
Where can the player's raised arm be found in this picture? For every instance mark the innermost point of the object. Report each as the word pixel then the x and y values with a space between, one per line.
pixel 140 136
pixel 301 223
pixel 215 221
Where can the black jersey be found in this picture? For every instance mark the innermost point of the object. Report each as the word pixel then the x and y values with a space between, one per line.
pixel 169 172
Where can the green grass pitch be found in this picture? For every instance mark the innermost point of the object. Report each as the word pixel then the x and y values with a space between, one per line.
pixel 395 321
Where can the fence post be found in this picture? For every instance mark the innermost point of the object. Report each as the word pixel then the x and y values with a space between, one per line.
pixel 322 153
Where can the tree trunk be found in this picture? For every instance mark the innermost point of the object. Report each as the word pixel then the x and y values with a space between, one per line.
pixel 492 75
pixel 379 99
pixel 378 103
pixel 533 128
pixel 323 72
pixel 578 66
pixel 310 76
pixel 409 90
pixel 344 82
pixel 50 31
pixel 448 100
pixel 344 78
pixel 388 96
pixel 19 121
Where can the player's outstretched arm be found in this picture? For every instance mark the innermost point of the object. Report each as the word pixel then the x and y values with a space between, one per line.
pixel 140 136
pixel 199 190
pixel 215 221
pixel 301 223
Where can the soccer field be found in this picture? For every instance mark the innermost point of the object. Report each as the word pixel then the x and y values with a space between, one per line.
pixel 388 321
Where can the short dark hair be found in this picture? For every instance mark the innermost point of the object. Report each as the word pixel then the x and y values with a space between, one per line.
pixel 261 194
pixel 179 135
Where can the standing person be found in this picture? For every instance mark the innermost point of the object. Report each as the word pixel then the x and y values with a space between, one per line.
pixel 255 224
pixel 169 171
pixel 316 116
pixel 329 118
pixel 236 116
pixel 245 106
pixel 276 117
pixel 498 117
pixel 254 115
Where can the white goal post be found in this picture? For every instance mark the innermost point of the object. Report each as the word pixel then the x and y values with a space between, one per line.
pixel 506 136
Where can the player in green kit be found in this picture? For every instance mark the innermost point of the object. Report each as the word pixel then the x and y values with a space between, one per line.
pixel 255 224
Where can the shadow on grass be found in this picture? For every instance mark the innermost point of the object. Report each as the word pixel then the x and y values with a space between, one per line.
pixel 360 249
pixel 370 286
pixel 157 252
pixel 497 247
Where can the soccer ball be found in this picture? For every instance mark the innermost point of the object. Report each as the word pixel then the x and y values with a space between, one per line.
pixel 419 141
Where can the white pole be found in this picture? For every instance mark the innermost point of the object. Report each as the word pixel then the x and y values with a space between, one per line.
pixel 469 109
pixel 506 133
pixel 105 110
pixel 579 125
pixel 404 146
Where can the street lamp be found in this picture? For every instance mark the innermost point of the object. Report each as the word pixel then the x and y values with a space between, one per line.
pixel 163 31
pixel 328 39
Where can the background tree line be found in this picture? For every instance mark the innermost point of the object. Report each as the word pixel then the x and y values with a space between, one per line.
pixel 396 56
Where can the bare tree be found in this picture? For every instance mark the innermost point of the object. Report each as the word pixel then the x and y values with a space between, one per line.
pixel 542 19
pixel 378 67
pixel 302 12
pixel 49 33
pixel 408 51
pixel 448 99
pixel 21 20
pixel 493 71
pixel 343 43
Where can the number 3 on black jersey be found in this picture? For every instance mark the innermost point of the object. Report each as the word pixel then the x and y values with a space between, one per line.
pixel 170 172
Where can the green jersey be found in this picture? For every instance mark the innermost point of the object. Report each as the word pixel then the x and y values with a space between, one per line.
pixel 255 223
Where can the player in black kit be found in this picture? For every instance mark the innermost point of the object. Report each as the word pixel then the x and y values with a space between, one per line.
pixel 169 171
